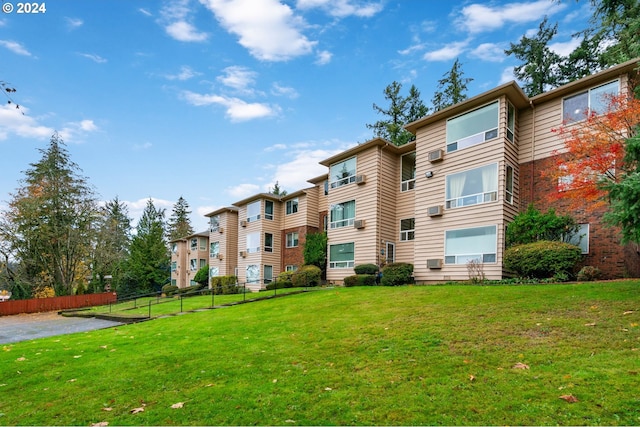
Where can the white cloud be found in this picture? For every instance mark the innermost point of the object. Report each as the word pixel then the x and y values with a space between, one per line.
pixel 481 17
pixel 175 19
pixel 15 47
pixel 279 90
pixel 136 208
pixel 145 12
pixel 275 147
pixel 17 122
pixel 241 191
pixel 143 146
pixel 268 28
pixel 292 175
pixel 446 53
pixel 507 75
pixel 564 48
pixel 73 23
pixel 95 58
pixel 343 8
pixel 323 57
pixel 76 130
pixel 491 52
pixel 239 78
pixel 185 73
pixel 236 109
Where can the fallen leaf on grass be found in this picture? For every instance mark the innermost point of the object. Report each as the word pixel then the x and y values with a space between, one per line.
pixel 107 409
pixel 72 380
pixel 472 377
pixel 570 398
pixel 177 405
pixel 628 312
pixel 590 324
pixel 328 389
pixel 101 424
pixel 21 359
pixel 77 357
pixel 136 410
pixel 520 365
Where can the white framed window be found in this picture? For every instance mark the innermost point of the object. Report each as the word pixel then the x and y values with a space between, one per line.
pixel 342 214
pixel 253 242
pixel 268 209
pixel 390 253
pixel 342 255
pixel 472 187
pixel 193 264
pixel 253 211
pixel 194 244
pixel 342 173
pixel 267 274
pixel 174 247
pixel 214 271
pixel 511 122
pixel 253 273
pixel 407 229
pixel 268 242
pixel 471 244
pixel 214 249
pixel 292 206
pixel 408 172
pixel 508 185
pixel 580 238
pixel 472 128
pixel 214 223
pixel 292 239
pixel 291 268
pixel 203 243
pixel 174 265
pixel 595 100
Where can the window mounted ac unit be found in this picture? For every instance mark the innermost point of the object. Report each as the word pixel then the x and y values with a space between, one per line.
pixel 243 223
pixel 435 155
pixel 434 263
pixel 361 179
pixel 221 230
pixel 243 254
pixel 435 210
pixel 358 223
pixel 219 256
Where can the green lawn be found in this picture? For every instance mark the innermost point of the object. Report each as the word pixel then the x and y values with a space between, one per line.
pixel 439 355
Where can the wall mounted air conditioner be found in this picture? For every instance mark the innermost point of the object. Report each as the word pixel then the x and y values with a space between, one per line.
pixel 361 179
pixel 219 256
pixel 243 254
pixel 434 263
pixel 435 155
pixel 220 230
pixel 358 223
pixel 243 223
pixel 435 210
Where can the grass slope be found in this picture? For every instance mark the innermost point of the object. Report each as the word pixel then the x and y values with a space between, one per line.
pixel 348 356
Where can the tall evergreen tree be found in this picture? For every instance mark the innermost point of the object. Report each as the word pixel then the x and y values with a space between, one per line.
pixel 540 66
pixel 148 263
pixel 618 23
pixel 179 224
pixel 112 244
pixel 401 111
pixel 49 222
pixel 452 88
pixel 277 190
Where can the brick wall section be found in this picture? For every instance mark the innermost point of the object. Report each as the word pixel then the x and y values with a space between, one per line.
pixel 294 256
pixel 605 251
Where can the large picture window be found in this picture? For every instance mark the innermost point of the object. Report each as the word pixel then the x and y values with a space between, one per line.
pixel 253 242
pixel 580 238
pixel 253 273
pixel 343 214
pixel 342 173
pixel 472 128
pixel 408 173
pixel 214 271
pixel 342 255
pixel 214 249
pixel 470 244
pixel 214 223
pixel 595 100
pixel 472 187
pixel 292 206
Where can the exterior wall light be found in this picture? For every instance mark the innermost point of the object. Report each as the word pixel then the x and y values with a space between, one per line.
pixel 429 174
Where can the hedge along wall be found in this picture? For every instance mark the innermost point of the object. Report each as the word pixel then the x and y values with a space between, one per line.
pixel 37 305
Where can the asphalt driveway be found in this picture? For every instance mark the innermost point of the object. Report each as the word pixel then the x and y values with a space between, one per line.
pixel 23 327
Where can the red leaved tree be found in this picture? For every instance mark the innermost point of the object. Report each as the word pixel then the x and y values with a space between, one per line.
pixel 593 153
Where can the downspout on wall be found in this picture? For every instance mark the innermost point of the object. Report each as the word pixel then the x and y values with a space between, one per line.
pixel 533 148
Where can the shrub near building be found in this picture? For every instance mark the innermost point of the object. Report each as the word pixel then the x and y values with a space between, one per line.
pixel 543 259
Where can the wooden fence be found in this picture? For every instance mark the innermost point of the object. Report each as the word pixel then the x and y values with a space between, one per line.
pixel 37 305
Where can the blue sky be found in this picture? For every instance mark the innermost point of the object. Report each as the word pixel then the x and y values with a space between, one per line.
pixel 216 100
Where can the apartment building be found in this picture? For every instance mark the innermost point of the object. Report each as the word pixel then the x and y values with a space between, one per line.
pixel 438 202
pixel 188 255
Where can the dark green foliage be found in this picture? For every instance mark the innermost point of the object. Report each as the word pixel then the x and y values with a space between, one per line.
pixel 224 285
pixel 169 289
pixel 397 274
pixel 589 273
pixel 452 88
pixel 202 276
pixel 192 289
pixel 532 226
pixel 315 251
pixel 360 280
pixel 284 279
pixel 543 259
pixel 307 276
pixel 366 269
pixel 179 224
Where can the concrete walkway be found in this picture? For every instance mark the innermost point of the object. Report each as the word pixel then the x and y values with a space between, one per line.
pixel 23 327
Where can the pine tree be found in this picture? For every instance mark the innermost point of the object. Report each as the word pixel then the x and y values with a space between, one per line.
pixel 452 88
pixel 401 111
pixel 179 224
pixel 49 223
